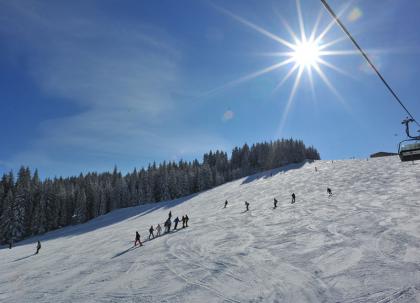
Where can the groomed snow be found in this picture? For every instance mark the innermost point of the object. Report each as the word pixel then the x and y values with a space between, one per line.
pixel 361 245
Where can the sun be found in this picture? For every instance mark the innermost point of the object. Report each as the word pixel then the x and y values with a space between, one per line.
pixel 306 53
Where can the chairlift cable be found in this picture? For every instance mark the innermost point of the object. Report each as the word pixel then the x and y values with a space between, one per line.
pixel 335 17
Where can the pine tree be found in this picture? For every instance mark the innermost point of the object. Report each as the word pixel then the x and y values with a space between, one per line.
pixel 205 179
pixel 11 220
pixel 2 197
pixel 80 211
pixel 39 224
pixel 23 201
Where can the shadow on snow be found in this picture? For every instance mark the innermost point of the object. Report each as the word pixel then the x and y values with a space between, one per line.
pixel 23 258
pixel 272 172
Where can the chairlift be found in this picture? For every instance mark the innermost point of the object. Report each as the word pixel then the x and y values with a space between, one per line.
pixel 409 149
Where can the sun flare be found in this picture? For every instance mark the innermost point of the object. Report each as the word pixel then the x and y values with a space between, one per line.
pixel 306 53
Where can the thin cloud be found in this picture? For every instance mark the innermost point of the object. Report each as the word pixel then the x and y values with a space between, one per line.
pixel 122 75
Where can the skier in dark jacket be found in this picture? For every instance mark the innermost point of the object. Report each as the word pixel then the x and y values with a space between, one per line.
pixel 226 203
pixel 137 239
pixel 275 203
pixel 168 224
pixel 38 247
pixel 170 215
pixel 151 234
pixel 176 221
pixel 329 191
pixel 186 220
pixel 247 205
pixel 183 221
pixel 293 198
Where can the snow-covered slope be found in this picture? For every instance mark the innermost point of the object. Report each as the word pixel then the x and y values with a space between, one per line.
pixel 361 245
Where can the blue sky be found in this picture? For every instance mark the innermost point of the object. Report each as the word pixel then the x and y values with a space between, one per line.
pixel 86 85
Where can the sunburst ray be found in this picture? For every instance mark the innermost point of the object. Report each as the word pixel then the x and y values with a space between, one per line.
pixel 290 99
pixel 286 77
pixel 255 27
pixel 252 75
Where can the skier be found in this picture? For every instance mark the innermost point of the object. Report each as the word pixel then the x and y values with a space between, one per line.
pixel 316 169
pixel 329 192
pixel 275 203
pixel 293 198
pixel 170 215
pixel 183 221
pixel 176 221
pixel 158 230
pixel 38 247
pixel 165 225
pixel 168 224
pixel 151 230
pixel 226 203
pixel 186 220
pixel 137 239
pixel 247 205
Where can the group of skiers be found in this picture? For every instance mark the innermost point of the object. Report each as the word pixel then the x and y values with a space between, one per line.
pixel 167 225
pixel 329 192
pixel 184 219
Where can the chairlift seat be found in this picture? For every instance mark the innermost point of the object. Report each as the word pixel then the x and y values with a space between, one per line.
pixel 409 150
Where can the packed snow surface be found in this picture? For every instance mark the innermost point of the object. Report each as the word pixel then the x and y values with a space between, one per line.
pixel 360 245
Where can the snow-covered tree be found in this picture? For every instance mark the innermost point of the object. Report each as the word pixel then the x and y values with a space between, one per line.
pixel 12 220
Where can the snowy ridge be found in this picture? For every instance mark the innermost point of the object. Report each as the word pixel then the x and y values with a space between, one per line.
pixel 361 245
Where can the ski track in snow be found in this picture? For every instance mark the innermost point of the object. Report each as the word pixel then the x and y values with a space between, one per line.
pixel 360 245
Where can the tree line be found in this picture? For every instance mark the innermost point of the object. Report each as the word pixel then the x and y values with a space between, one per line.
pixel 31 206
